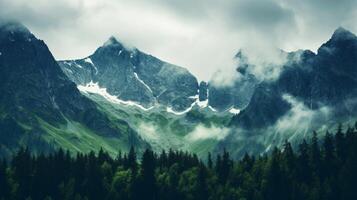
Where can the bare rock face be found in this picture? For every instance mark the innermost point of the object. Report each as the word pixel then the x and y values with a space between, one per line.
pixel 326 79
pixel 132 75
pixel 33 87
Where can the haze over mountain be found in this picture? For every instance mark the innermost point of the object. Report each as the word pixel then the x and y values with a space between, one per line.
pixel 120 96
pixel 184 32
pixel 313 91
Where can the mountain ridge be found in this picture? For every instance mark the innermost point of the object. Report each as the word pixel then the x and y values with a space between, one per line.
pixel 119 96
pixel 40 100
pixel 141 78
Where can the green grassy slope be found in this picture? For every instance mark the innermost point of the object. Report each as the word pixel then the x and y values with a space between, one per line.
pixel 163 130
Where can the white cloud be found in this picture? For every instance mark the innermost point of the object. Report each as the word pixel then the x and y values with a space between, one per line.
pixel 148 132
pixel 203 133
pixel 265 63
pixel 202 35
pixel 300 118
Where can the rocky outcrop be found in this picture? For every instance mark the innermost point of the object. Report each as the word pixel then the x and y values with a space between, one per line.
pixel 326 79
pixel 132 75
pixel 33 87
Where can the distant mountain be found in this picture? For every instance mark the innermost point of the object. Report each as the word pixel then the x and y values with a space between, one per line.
pixel 134 76
pixel 140 79
pixel 313 91
pixel 325 79
pixel 82 104
pixel 39 102
pixel 236 95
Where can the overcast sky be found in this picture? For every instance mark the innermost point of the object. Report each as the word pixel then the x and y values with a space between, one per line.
pixel 201 35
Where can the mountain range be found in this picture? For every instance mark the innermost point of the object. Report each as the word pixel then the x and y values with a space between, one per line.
pixel 119 97
pixel 43 106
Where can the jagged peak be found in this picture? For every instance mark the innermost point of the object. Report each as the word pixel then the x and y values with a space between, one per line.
pixel 111 41
pixel 342 33
pixel 15 31
pixel 13 26
pixel 340 36
pixel 114 42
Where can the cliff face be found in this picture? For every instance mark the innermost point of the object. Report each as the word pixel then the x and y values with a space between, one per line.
pixel 132 75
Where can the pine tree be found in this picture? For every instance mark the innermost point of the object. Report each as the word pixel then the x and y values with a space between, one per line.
pixel 329 155
pixel 201 186
pixel 132 161
pixel 4 183
pixel 149 190
pixel 209 161
pixel 315 156
pixel 226 166
pixel 303 167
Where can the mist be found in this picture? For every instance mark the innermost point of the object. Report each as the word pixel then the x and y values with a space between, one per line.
pixel 200 35
pixel 202 132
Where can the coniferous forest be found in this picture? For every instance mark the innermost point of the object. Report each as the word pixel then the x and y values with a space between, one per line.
pixel 316 169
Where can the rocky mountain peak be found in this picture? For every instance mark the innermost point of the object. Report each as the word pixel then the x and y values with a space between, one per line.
pixel 114 43
pixel 12 31
pixel 342 34
pixel 12 26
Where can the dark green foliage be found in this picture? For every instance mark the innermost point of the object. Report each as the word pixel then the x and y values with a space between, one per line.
pixel 316 170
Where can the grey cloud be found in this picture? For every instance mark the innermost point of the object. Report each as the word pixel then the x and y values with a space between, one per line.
pixel 39 14
pixel 260 14
pixel 202 35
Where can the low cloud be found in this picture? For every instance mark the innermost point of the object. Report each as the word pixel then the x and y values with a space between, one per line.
pixel 226 77
pixel 300 117
pixel 148 132
pixel 297 123
pixel 265 64
pixel 203 133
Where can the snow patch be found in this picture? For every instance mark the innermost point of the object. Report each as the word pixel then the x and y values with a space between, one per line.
pixel 92 87
pixel 79 66
pixel 68 70
pixel 89 60
pixel 67 63
pixel 203 104
pixel 141 81
pixel 234 111
pixel 0 53
pixel 210 107
pixel 194 97
pixel 170 110
pixel 120 52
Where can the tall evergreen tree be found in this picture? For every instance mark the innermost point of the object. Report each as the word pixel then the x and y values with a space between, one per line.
pixel 209 161
pixel 132 161
pixel 149 190
pixel 5 189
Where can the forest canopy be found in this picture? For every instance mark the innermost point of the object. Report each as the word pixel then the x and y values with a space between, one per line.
pixel 317 169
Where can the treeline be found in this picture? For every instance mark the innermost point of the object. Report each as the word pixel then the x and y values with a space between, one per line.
pixel 318 169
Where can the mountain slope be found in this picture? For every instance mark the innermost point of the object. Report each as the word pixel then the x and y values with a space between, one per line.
pixel 37 96
pixel 326 79
pixel 314 92
pixel 134 76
